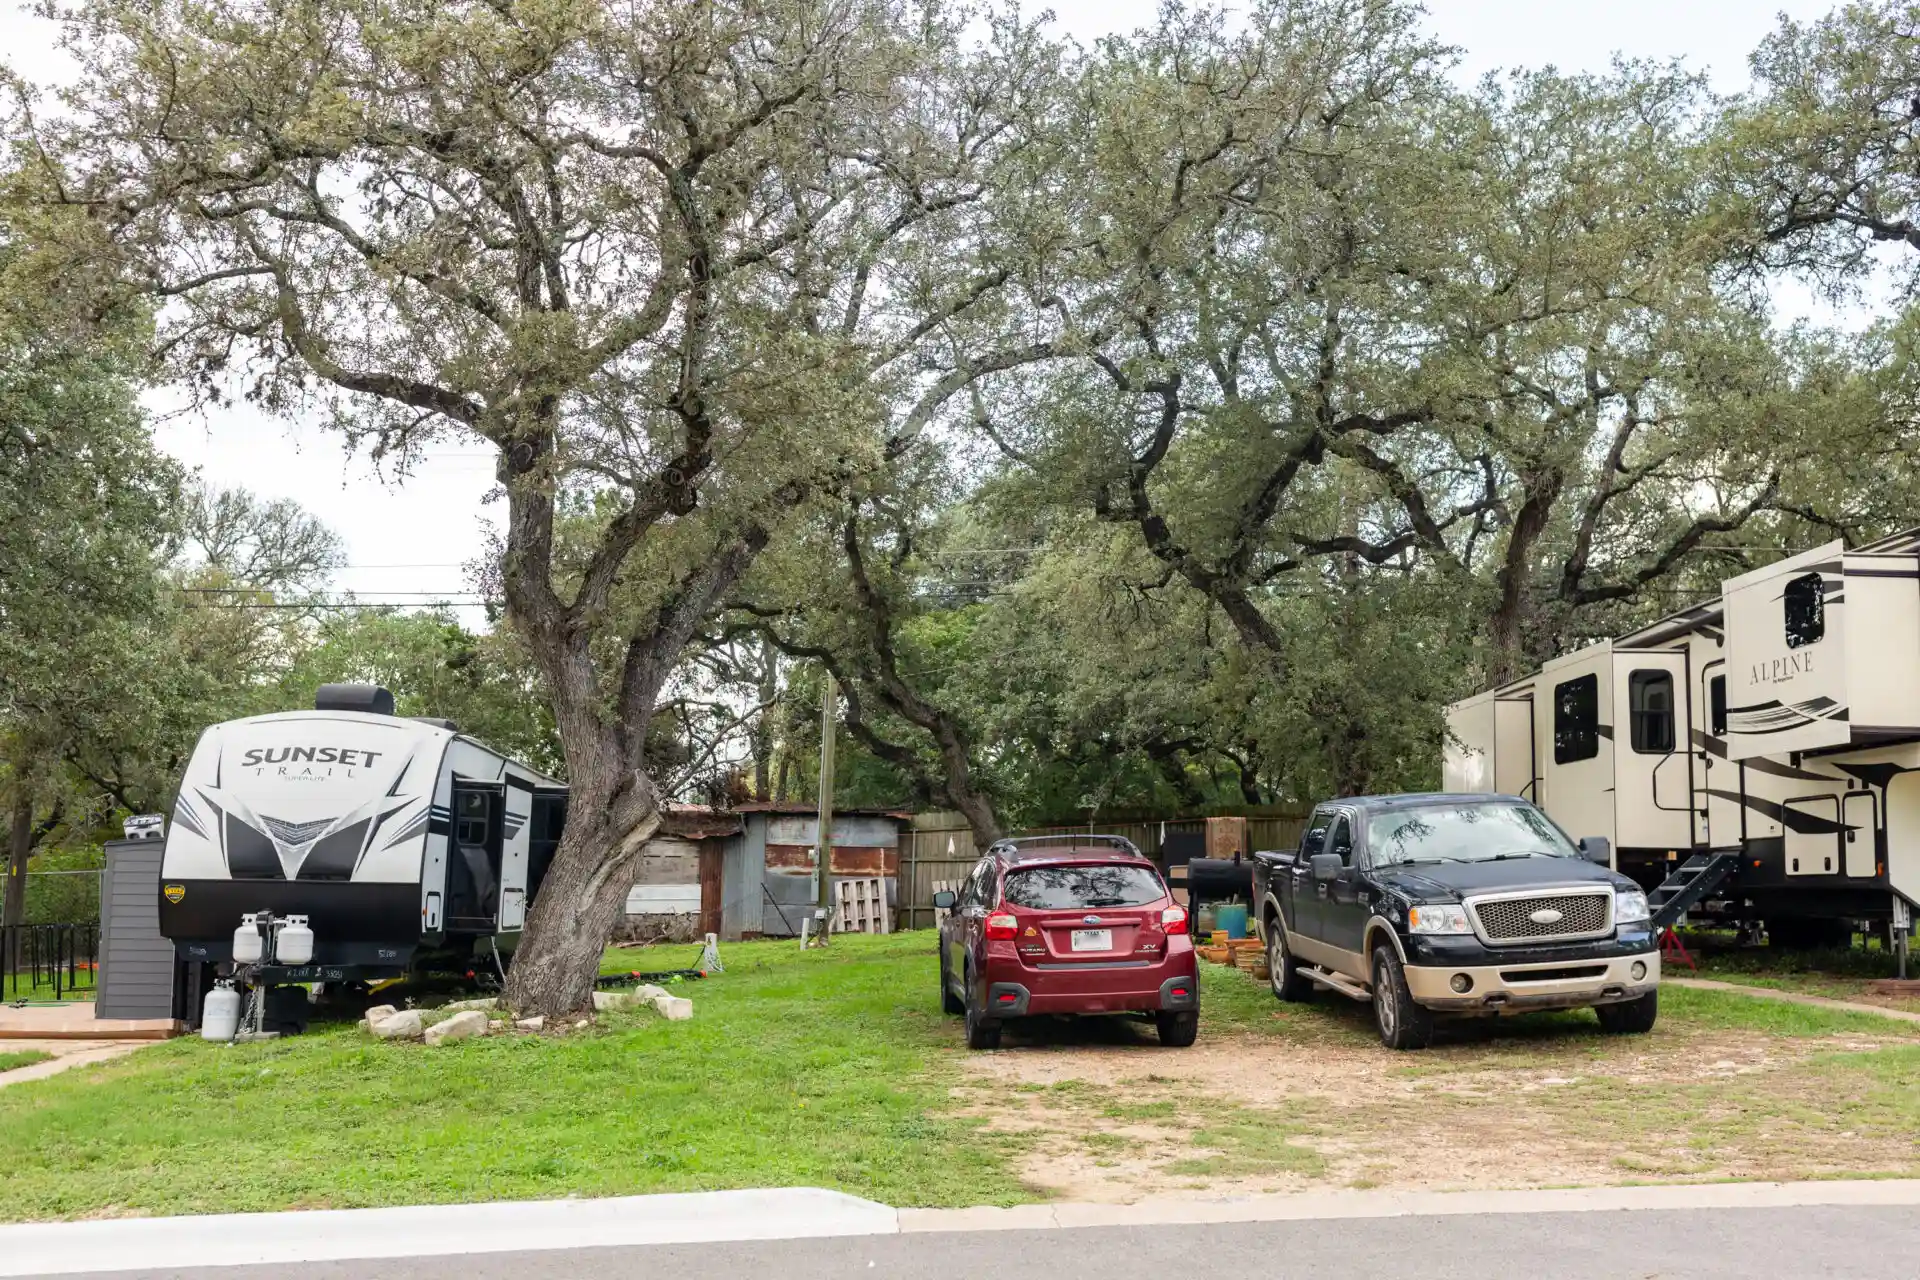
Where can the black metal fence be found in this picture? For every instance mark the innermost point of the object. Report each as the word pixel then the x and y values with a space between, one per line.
pixel 48 961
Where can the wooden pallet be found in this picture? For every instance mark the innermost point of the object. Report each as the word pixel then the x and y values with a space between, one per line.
pixel 860 906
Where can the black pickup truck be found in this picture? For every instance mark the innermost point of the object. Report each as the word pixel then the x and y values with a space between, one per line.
pixel 1470 904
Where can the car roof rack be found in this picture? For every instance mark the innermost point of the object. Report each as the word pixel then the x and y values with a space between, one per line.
pixel 1066 840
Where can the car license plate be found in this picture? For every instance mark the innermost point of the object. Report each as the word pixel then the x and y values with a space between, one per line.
pixel 1093 939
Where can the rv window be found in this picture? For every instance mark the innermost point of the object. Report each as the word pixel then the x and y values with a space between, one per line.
pixel 1806 608
pixel 471 823
pixel 1650 701
pixel 1576 719
pixel 1717 705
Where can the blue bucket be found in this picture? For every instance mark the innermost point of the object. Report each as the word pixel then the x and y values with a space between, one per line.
pixel 1232 918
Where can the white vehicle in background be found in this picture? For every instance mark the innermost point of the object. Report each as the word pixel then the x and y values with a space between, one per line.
pixel 402 842
pixel 1755 757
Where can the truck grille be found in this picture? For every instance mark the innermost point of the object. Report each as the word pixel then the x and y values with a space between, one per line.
pixel 1582 915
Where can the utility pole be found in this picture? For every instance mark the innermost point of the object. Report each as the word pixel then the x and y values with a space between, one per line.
pixel 823 837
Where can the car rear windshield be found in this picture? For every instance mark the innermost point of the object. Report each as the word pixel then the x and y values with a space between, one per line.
pixel 1465 832
pixel 1073 887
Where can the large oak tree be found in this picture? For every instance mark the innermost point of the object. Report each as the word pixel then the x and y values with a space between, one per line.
pixel 703 261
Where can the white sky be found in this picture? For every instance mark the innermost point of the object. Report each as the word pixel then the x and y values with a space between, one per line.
pixel 414 535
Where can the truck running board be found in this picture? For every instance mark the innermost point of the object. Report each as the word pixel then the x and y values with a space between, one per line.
pixel 1344 985
pixel 1690 884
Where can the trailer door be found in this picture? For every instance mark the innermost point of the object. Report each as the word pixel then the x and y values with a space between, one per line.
pixel 515 843
pixel 1653 765
pixel 1516 773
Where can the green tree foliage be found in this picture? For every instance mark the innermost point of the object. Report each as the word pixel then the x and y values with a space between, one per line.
pixel 84 507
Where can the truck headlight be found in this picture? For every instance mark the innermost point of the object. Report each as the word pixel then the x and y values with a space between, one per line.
pixel 1630 907
pixel 1440 918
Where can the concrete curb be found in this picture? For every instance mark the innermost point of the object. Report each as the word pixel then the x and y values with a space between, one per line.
pixel 1320 1205
pixel 225 1240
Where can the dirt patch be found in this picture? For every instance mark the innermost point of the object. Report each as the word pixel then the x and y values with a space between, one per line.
pixel 1106 1116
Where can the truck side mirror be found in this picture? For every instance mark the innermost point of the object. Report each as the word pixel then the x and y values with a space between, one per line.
pixel 1596 849
pixel 944 900
pixel 1326 867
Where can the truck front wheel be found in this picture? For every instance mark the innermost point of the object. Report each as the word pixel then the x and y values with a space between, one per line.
pixel 1403 1023
pixel 1631 1018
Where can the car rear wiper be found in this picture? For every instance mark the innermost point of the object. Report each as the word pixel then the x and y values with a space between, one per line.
pixel 1105 902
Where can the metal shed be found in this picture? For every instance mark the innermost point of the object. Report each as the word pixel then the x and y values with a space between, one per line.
pixel 136 962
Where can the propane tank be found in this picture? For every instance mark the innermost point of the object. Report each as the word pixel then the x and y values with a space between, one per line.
pixel 248 946
pixel 220 1017
pixel 295 942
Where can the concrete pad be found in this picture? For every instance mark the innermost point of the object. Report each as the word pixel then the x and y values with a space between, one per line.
pixel 1792 997
pixel 74 1020
pixel 130 1244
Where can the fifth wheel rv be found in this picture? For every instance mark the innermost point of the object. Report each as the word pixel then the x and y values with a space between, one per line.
pixel 402 843
pixel 1755 757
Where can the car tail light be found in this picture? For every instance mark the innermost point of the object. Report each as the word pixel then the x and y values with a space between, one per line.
pixel 1002 926
pixel 1174 919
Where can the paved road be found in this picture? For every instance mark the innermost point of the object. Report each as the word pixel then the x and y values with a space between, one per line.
pixel 1811 1243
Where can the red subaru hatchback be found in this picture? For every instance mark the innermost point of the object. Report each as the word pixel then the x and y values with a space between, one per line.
pixel 1067 925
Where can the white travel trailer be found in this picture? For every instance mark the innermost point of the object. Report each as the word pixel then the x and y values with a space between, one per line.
pixel 1760 752
pixel 402 841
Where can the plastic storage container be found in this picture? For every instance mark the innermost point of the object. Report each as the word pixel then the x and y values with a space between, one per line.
pixel 220 1016
pixel 1233 918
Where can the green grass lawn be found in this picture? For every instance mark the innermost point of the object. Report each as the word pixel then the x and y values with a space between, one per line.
pixel 22 1058
pixel 1837 973
pixel 832 1069
pixel 823 1069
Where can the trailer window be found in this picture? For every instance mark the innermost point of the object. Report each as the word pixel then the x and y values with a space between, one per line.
pixel 1806 609
pixel 470 825
pixel 1650 702
pixel 1576 719
pixel 1717 705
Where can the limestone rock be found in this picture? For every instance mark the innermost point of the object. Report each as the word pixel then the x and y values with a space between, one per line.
pixel 672 1008
pixel 405 1025
pixel 379 1013
pixel 605 1001
pixel 461 1006
pixel 531 1024
pixel 461 1026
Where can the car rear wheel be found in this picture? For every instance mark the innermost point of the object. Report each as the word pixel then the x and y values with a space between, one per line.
pixel 1403 1023
pixel 1631 1018
pixel 949 1002
pixel 982 1032
pixel 1177 1030
pixel 1283 971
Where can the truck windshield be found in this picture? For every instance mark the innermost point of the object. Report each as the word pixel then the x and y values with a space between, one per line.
pixel 1465 833
pixel 1075 887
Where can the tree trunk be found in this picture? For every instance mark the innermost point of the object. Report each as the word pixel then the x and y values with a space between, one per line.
pixel 763 723
pixel 578 905
pixel 19 846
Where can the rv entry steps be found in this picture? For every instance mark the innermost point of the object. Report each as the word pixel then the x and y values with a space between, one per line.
pixel 1690 884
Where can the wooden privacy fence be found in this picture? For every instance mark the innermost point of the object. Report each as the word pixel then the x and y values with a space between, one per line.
pixel 939 850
